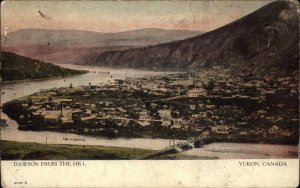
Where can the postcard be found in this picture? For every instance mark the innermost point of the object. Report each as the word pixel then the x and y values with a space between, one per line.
pixel 149 93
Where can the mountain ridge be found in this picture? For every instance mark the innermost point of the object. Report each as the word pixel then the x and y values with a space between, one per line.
pixel 36 36
pixel 74 46
pixel 15 67
pixel 263 31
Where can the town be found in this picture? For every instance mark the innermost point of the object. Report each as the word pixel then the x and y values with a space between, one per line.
pixel 223 104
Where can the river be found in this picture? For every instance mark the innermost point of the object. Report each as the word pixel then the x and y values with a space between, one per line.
pixel 98 75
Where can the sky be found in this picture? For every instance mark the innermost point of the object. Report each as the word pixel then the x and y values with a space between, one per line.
pixel 118 16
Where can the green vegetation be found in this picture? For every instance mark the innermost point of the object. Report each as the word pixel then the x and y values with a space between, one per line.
pixel 15 67
pixel 34 151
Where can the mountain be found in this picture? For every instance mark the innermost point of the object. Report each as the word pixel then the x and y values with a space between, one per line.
pixel 15 67
pixel 264 38
pixel 74 46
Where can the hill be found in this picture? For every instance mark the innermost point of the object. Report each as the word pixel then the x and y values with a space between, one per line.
pixel 15 67
pixel 265 38
pixel 74 46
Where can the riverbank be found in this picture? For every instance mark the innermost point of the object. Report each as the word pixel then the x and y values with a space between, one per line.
pixel 33 151
pixel 167 134
pixel 78 72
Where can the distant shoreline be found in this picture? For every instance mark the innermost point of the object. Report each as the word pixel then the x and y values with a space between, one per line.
pixel 7 82
pixel 169 70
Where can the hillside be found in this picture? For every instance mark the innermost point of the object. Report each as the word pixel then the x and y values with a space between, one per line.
pixel 75 46
pixel 15 67
pixel 264 38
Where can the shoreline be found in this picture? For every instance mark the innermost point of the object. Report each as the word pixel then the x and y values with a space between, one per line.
pixel 7 82
pixel 171 70
pixel 208 141
pixel 39 151
pixel 13 150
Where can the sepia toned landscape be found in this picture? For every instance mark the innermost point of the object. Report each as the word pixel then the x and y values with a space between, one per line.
pixel 165 92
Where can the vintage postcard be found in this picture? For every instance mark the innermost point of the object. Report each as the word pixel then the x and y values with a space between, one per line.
pixel 149 93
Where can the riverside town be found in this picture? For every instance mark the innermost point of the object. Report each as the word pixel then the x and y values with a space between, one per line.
pixel 208 102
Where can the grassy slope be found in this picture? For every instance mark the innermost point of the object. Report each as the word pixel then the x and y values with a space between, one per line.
pixel 15 67
pixel 34 151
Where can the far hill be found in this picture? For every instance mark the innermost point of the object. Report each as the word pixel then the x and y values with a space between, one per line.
pixel 15 67
pixel 75 46
pixel 265 38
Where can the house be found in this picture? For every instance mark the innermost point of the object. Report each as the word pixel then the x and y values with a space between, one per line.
pixel 196 92
pixel 166 123
pixel 221 129
pixel 25 105
pixel 201 106
pixel 150 86
pixel 65 101
pixel 37 99
pixel 143 116
pixel 177 122
pixel 274 129
pixel 165 114
pixel 192 106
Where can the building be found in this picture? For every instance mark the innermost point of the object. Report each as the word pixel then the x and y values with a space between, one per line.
pixel 165 114
pixel 274 129
pixel 51 117
pixel 177 123
pixel 37 99
pixel 196 92
pixel 66 101
pixel 221 129
pixel 150 86
pixel 143 116
pixel 67 115
pixel 166 123
pixel 192 107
